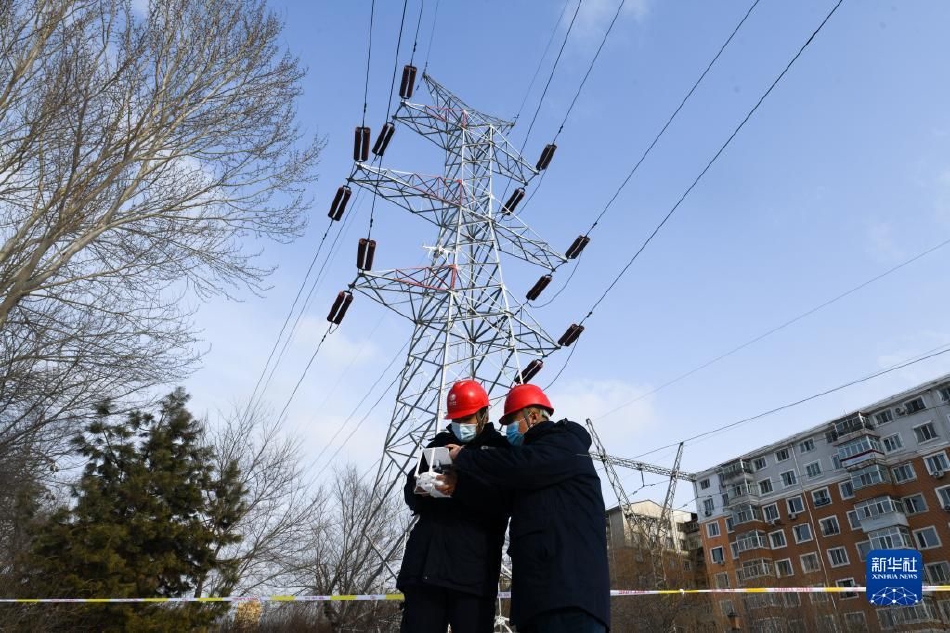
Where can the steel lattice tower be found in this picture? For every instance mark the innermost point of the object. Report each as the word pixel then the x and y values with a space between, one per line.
pixel 466 322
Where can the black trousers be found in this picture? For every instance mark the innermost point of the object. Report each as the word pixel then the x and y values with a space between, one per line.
pixel 430 609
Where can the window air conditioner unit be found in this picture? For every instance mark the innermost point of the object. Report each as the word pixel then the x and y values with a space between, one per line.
pixel 900 410
pixel 937 474
pixel 793 515
pixel 946 508
pixel 708 513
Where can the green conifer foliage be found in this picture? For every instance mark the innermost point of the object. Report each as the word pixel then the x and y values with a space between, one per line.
pixel 150 512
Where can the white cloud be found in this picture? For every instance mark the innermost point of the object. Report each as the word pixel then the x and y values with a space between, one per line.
pixel 618 409
pixel 595 15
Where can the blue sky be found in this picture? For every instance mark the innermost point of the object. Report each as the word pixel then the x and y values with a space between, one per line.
pixel 842 173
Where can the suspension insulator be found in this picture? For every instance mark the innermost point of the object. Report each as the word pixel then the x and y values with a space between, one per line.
pixel 570 335
pixel 546 155
pixel 361 145
pixel 513 201
pixel 408 81
pixel 338 311
pixel 382 141
pixel 365 253
pixel 538 287
pixel 530 371
pixel 339 203
pixel 577 247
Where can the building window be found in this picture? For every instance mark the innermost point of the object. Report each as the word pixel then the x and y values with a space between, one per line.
pixel 892 443
pixel 788 478
pixel 943 496
pixel 722 580
pixel 925 432
pixel 784 568
pixel 807 446
pixel 777 539
pixel 765 486
pixel 770 512
pixel 853 521
pixel 759 463
pixel 704 484
pixel 835 462
pixel 846 489
pixel 937 463
pixel 896 537
pixel 884 417
pixel 781 455
pixel 829 526
pixel 821 497
pixel 927 538
pixel 903 472
pixel 708 506
pixel 730 525
pixel 795 505
pixel 813 470
pixel 712 529
pixel 802 532
pixel 716 555
pixel 810 563
pixel 944 394
pixel 870 476
pixel 916 504
pixel 864 547
pixel 726 607
pixel 938 573
pixel 838 556
pixel 915 405
pixel 855 620
pixel 734 549
pixel 847 582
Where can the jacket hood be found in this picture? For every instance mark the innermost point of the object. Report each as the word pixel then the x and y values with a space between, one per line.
pixel 578 431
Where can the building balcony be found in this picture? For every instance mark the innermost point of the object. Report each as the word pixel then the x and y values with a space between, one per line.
pixel 750 571
pixel 748 542
pixel 847 428
pixel 742 494
pixel 735 469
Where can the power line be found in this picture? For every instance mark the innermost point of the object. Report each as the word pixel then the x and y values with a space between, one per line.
pixel 646 152
pixel 937 351
pixel 369 56
pixel 415 40
pixel 593 61
pixel 547 47
pixel 689 94
pixel 711 161
pixel 778 328
pixel 547 85
pixel 435 19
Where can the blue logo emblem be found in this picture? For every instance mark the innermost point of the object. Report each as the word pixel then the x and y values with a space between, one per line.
pixel 894 577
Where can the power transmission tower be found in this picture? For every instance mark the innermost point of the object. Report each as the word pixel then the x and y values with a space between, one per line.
pixel 651 534
pixel 466 324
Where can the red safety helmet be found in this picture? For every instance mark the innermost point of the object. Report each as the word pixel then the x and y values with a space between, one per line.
pixel 465 398
pixel 522 396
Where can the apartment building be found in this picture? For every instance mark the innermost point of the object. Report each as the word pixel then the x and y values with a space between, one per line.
pixel 806 510
pixel 634 565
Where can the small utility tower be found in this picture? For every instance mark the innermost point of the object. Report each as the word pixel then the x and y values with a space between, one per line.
pixel 466 323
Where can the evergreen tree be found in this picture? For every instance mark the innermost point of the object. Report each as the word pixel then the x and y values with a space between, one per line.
pixel 150 512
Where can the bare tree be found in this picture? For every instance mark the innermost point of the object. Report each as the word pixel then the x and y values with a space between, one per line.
pixel 281 507
pixel 137 153
pixel 345 552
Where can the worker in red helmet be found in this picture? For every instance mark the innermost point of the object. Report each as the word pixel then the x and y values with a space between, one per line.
pixel 452 562
pixel 558 533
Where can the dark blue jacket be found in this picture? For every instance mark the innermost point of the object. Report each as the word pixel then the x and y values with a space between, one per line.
pixel 455 545
pixel 558 535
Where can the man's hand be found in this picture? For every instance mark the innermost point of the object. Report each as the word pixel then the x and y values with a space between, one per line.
pixel 448 481
pixel 454 450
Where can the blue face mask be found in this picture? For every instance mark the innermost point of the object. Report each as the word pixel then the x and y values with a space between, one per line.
pixel 465 432
pixel 515 436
